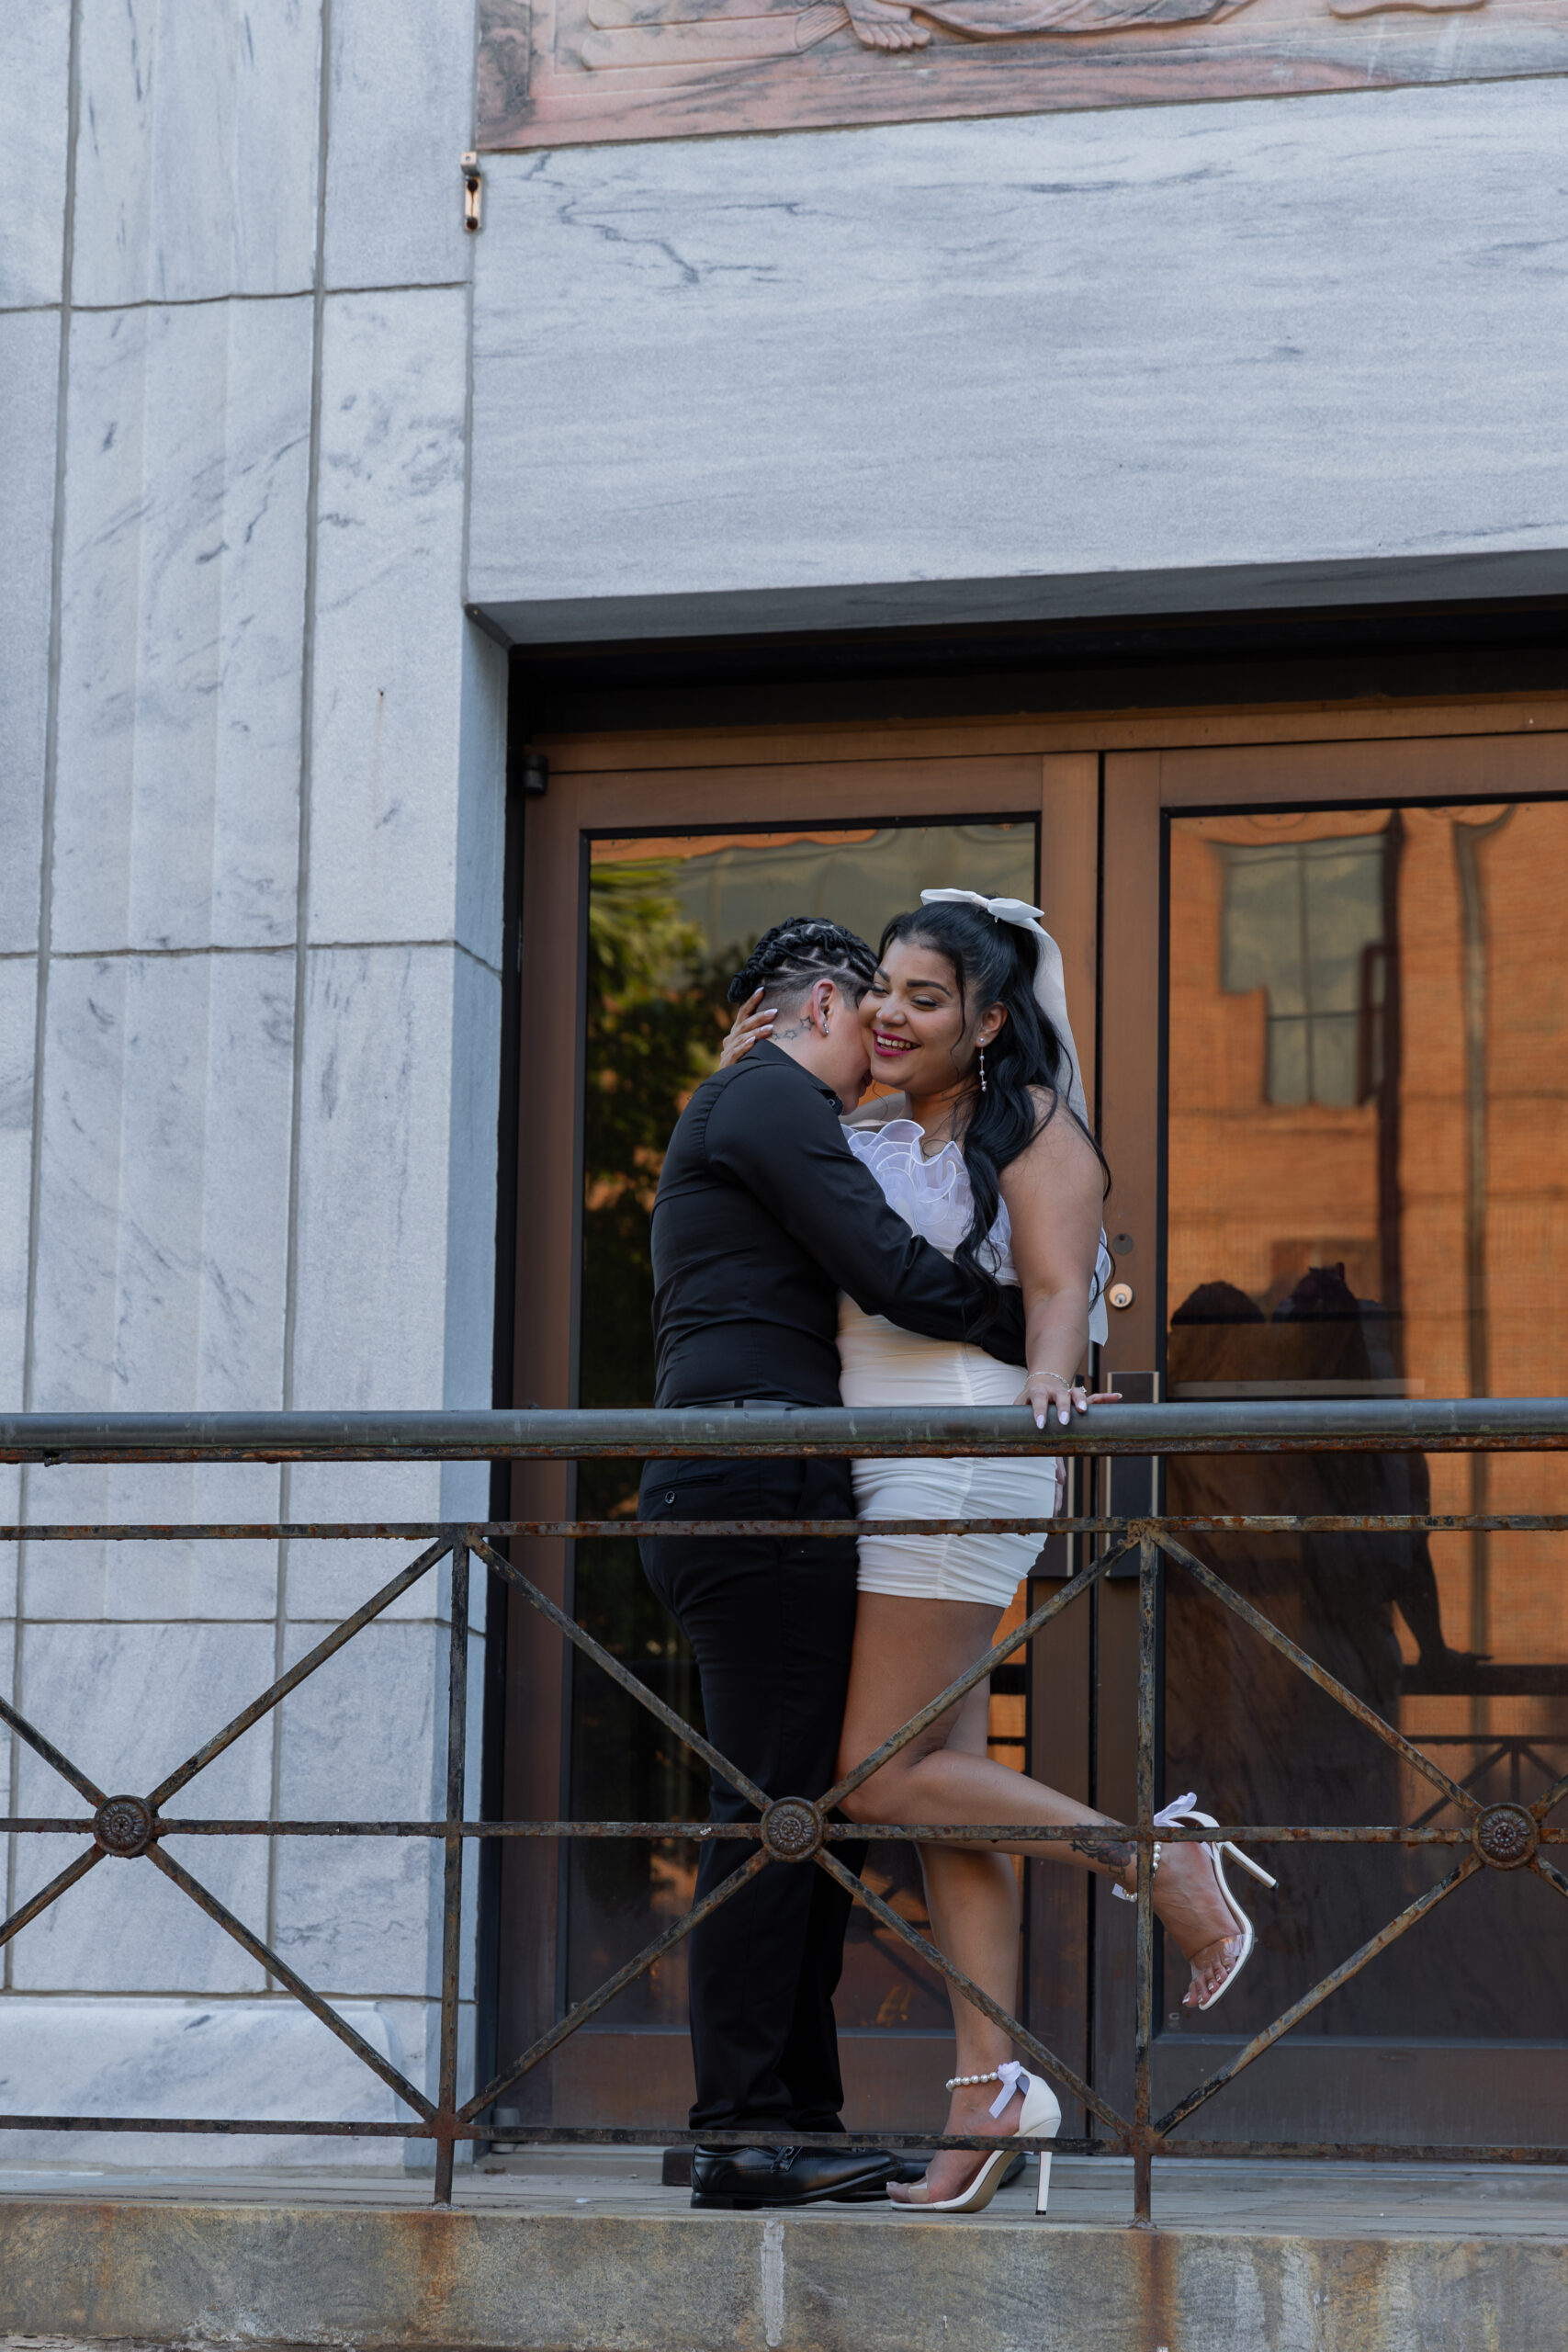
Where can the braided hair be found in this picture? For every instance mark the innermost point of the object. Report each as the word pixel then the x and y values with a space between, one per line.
pixel 797 953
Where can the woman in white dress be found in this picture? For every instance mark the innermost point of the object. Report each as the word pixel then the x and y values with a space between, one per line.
pixel 986 1151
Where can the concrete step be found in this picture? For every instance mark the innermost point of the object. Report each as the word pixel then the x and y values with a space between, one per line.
pixel 586 2250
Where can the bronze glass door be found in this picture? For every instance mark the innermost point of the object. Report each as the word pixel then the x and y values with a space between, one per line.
pixel 1365 1029
pixel 670 880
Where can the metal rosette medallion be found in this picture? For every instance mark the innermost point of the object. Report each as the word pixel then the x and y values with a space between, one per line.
pixel 792 1830
pixel 1506 1835
pixel 123 1825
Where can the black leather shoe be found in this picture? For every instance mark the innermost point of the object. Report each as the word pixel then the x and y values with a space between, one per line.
pixel 741 2179
pixel 907 2172
pixel 902 2168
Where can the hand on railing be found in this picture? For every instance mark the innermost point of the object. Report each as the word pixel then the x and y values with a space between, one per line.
pixel 1051 1392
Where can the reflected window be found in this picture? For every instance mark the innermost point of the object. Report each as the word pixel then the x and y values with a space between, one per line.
pixel 1384 1215
pixel 1304 921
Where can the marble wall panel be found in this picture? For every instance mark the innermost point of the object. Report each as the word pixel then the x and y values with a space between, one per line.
pixel 196 170
pixel 18 990
pixel 181 620
pixel 126 1703
pixel 10 1566
pixel 329 1578
pixel 395 1218
pixel 401 114
pixel 481 797
pixel 375 1178
pixel 30 362
pixel 1066 348
pixel 362 1739
pixel 161 1258
pixel 471 1177
pixel 389 625
pixel 19 1004
pixel 165 1178
pixel 34 115
pixel 154 1581
pixel 262 2058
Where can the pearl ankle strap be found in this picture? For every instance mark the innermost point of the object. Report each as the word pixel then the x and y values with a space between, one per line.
pixel 1011 2076
pixel 1169 1816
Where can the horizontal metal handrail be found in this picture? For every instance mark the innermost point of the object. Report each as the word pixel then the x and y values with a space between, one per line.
pixel 792 1830
pixel 1382 1425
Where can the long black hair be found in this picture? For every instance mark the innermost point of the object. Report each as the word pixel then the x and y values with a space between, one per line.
pixel 994 964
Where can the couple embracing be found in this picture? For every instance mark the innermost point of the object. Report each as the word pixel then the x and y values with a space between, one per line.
pixel 940 1246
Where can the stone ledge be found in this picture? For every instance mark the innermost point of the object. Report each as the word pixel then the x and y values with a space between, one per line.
pixel 678 2282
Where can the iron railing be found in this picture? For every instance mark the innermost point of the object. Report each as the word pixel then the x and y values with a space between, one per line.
pixel 790 1829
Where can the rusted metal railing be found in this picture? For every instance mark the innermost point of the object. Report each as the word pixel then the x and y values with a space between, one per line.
pixel 790 1830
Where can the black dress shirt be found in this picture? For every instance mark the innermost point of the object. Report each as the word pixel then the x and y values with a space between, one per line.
pixel 763 1215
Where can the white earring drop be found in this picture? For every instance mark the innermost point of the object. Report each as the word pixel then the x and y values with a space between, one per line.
pixel 982 1069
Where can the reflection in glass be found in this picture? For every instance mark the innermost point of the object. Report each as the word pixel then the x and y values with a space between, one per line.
pixel 669 921
pixel 1369 1109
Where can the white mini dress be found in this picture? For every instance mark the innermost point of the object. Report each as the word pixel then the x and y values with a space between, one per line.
pixel 880 1364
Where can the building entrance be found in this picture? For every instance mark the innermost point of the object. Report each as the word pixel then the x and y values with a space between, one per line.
pixel 1319 991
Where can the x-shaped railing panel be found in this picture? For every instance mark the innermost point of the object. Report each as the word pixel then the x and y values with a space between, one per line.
pixel 790 1829
pixel 130 1826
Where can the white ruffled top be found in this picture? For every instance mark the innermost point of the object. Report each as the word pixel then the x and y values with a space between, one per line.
pixel 935 1199
pixel 933 1196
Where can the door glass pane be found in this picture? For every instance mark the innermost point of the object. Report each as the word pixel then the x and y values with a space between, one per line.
pixel 1369 1115
pixel 669 921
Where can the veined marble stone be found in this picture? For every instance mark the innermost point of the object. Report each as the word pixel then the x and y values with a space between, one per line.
pixel 151 1581
pixel 402 113
pixel 257 2058
pixel 389 626
pixel 364 1737
pixel 165 1139
pixel 1061 364
pixel 34 115
pixel 126 1703
pixel 197 166
pixel 190 1225
pixel 182 611
pixel 390 1183
pixel 29 368
pixel 18 1003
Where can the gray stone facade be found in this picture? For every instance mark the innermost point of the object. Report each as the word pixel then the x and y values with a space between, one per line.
pixel 284 454
pixel 249 979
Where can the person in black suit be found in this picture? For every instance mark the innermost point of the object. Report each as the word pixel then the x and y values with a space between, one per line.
pixel 762 1217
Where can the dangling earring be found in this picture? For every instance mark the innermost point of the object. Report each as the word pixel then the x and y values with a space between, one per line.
pixel 982 1069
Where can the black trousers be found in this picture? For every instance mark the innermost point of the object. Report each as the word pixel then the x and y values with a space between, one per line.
pixel 773 1621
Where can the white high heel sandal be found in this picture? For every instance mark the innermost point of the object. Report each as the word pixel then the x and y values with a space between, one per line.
pixel 1040 2120
pixel 1178 1816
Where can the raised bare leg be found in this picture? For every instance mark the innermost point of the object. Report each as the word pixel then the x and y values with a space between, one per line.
pixel 906 1651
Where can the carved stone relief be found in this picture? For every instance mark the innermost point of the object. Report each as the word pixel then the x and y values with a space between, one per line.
pixel 561 73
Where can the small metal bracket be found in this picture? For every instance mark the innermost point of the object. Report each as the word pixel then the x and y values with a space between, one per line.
pixel 473 193
pixel 534 772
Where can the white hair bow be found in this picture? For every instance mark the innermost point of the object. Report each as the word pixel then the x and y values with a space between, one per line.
pixel 1051 996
